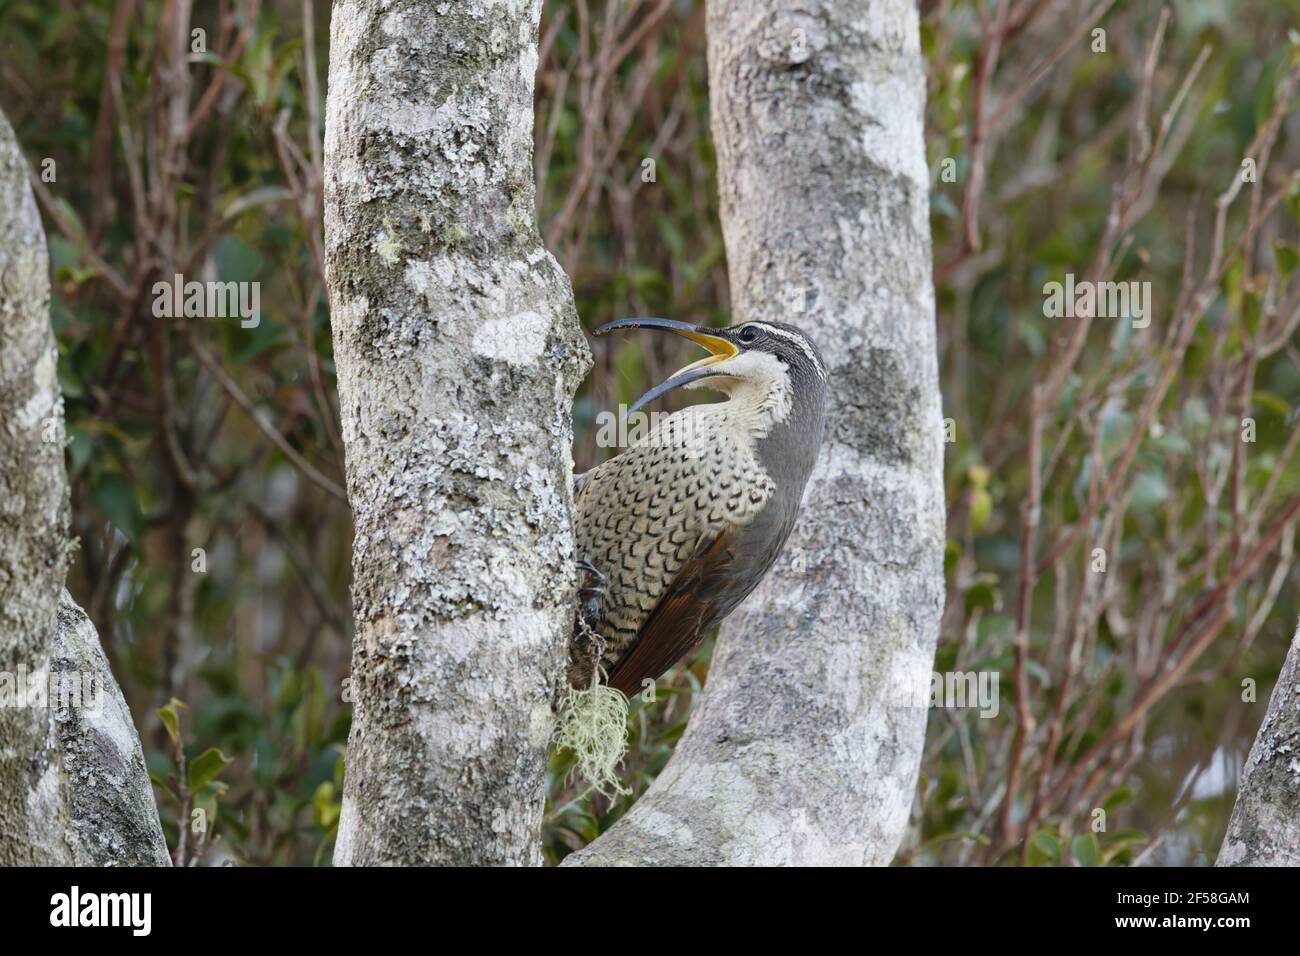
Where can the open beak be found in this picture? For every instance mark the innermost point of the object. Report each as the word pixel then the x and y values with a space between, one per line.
pixel 717 341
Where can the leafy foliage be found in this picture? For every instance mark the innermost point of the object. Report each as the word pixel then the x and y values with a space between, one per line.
pixel 206 461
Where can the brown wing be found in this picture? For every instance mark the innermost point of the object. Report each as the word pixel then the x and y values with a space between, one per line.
pixel 694 602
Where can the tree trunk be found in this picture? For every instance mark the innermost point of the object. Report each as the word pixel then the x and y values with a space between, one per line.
pixel 806 744
pixel 73 783
pixel 1264 829
pixel 458 351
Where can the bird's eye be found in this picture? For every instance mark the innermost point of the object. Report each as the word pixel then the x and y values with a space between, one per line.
pixel 748 333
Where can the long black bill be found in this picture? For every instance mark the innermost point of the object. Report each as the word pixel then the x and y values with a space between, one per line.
pixel 717 342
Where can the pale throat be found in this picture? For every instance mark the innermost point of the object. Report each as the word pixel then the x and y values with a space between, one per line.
pixel 767 393
pixel 756 403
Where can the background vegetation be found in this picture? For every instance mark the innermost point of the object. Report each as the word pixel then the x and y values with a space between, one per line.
pixel 1121 689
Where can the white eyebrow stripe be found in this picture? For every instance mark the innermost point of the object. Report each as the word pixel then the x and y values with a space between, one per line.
pixel 799 341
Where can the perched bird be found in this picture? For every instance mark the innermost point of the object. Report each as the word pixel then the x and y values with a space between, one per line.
pixel 674 532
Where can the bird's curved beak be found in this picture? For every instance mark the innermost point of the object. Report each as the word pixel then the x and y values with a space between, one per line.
pixel 717 341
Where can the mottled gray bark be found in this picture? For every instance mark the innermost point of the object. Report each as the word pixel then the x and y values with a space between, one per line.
pixel 114 816
pixel 1264 829
pixel 73 784
pixel 807 741
pixel 458 351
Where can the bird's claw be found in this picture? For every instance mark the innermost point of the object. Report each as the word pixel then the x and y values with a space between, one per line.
pixel 592 596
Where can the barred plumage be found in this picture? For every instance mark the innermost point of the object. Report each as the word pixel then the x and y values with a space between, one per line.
pixel 681 526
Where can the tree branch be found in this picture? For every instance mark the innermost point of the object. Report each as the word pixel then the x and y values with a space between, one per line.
pixel 1264 829
pixel 807 741
pixel 74 789
pixel 458 352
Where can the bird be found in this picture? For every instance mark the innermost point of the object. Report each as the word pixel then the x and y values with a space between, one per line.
pixel 673 533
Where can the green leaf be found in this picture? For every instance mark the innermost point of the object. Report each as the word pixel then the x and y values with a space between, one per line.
pixel 170 714
pixel 236 260
pixel 161 784
pixel 1121 796
pixel 1286 256
pixel 981 506
pixel 261 196
pixel 325 806
pixel 1268 402
pixel 1266 90
pixel 951 554
pixel 1121 842
pixel 204 768
pixel 1149 491
pixel 672 238
pixel 1085 849
pixel 1251 312
pixel 1046 843
pixel 982 593
pixel 80 450
pixel 113 496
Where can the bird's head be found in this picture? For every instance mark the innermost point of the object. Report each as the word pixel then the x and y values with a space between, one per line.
pixel 762 354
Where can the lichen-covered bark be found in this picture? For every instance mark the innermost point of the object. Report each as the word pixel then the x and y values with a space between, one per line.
pixel 458 351
pixel 1264 829
pixel 806 744
pixel 33 522
pixel 114 816
pixel 73 785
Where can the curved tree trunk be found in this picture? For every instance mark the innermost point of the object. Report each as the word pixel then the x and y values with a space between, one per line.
pixel 458 351
pixel 1264 829
pixel 806 744
pixel 73 783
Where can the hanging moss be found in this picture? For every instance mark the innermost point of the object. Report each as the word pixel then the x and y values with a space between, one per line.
pixel 593 724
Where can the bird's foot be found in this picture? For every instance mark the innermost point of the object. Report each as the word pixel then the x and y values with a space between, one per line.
pixel 591 597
